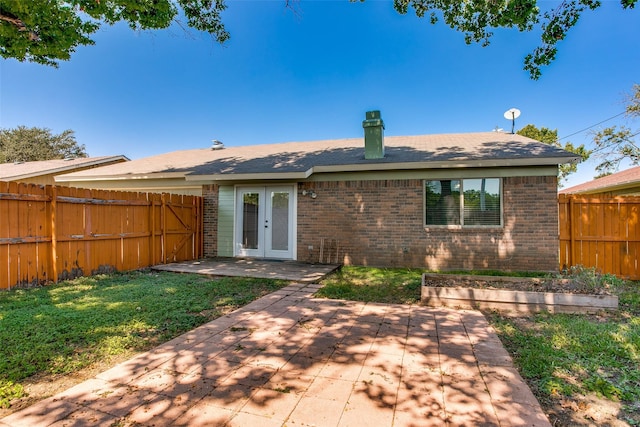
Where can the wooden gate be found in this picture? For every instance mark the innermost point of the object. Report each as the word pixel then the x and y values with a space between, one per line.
pixel 600 232
pixel 51 233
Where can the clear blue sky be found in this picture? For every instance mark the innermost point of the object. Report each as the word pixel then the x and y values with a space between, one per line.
pixel 313 74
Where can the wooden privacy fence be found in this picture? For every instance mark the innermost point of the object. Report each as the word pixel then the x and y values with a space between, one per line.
pixel 51 233
pixel 600 232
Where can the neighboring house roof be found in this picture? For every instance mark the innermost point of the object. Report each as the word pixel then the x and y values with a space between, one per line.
pixel 23 170
pixel 628 179
pixel 299 160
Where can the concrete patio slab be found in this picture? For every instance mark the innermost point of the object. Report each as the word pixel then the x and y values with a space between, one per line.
pixel 251 267
pixel 295 360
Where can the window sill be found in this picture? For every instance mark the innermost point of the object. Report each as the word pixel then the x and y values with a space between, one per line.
pixel 428 228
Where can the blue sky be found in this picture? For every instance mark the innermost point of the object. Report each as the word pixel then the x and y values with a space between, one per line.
pixel 313 74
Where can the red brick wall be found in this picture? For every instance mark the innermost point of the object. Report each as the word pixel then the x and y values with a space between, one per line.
pixel 210 197
pixel 380 223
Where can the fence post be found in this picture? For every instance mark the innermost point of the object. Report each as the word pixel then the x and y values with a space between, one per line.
pixel 196 226
pixel 163 220
pixel 572 232
pixel 54 233
pixel 200 227
pixel 152 223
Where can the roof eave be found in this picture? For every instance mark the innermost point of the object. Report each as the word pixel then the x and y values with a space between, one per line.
pixel 446 164
pixel 66 168
pixel 261 176
pixel 120 177
pixel 604 188
pixel 298 175
pixel 383 166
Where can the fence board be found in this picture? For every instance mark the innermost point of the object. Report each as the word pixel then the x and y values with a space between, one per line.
pixel 50 233
pixel 600 232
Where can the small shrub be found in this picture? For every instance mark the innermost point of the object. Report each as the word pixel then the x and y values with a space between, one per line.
pixel 587 278
pixel 8 392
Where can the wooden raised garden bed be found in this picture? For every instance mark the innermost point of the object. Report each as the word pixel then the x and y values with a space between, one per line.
pixel 505 294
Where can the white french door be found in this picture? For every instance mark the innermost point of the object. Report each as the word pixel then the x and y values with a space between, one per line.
pixel 265 222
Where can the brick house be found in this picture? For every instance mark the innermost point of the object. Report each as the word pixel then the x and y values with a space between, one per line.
pixel 456 201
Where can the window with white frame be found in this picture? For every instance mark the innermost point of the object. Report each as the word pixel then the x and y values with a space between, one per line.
pixel 475 202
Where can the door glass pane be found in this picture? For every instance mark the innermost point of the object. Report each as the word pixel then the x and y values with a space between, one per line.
pixel 250 203
pixel 279 221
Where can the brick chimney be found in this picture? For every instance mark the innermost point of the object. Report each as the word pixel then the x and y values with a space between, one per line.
pixel 373 136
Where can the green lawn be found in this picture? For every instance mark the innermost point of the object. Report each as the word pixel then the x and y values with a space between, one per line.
pixel 389 285
pixel 566 355
pixel 560 355
pixel 65 327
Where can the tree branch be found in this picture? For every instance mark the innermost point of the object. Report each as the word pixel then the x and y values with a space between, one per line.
pixel 16 22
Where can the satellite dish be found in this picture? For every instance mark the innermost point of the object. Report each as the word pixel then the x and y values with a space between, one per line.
pixel 512 114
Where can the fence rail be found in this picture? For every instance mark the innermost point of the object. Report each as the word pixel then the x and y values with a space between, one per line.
pixel 600 232
pixel 51 233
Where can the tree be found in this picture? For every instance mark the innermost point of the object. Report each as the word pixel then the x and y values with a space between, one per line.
pixel 615 144
pixel 550 137
pixel 24 144
pixel 47 31
pixel 477 19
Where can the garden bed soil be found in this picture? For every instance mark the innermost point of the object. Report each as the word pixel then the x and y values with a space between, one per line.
pixel 514 294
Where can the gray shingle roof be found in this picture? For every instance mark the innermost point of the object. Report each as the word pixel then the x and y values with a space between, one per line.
pixel 405 152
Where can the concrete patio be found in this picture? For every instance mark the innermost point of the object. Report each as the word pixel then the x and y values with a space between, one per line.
pixel 252 267
pixel 291 359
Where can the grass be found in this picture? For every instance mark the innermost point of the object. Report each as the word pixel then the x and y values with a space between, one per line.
pixel 563 355
pixel 566 354
pixel 60 329
pixel 388 285
pixel 560 355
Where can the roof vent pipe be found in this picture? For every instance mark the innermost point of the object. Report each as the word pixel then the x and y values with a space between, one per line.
pixel 373 135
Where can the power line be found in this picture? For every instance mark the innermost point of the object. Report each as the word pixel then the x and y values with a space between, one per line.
pixel 633 135
pixel 592 126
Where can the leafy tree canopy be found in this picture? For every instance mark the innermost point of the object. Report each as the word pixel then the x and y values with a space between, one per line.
pixel 550 137
pixel 24 144
pixel 615 144
pixel 47 31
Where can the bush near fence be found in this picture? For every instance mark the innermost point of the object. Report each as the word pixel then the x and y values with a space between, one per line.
pixel 51 233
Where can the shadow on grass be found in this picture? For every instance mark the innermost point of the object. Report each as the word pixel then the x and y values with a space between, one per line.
pixel 59 329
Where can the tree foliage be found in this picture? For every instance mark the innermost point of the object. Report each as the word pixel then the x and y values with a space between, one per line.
pixel 615 144
pixel 550 137
pixel 48 31
pixel 477 20
pixel 24 144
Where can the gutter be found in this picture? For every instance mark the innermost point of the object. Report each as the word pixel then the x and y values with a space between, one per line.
pixel 168 175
